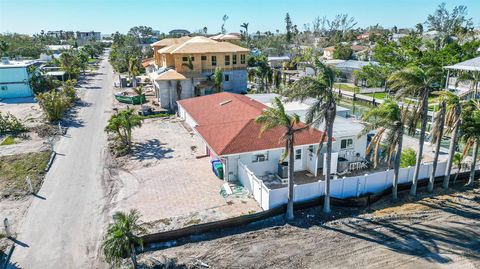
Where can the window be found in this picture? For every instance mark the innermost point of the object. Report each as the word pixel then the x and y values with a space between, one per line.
pixel 234 59
pixel 298 154
pixel 185 59
pixel 214 60
pixel 227 59
pixel 204 58
pixel 242 59
pixel 227 77
pixel 346 143
pixel 4 88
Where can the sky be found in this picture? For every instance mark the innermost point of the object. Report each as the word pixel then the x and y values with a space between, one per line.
pixel 108 16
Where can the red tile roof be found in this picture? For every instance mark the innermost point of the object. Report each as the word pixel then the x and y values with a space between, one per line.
pixel 226 121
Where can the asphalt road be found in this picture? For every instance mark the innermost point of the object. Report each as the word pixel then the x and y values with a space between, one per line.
pixel 63 227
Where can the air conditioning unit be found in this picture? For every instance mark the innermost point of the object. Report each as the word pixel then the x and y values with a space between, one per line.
pixel 260 158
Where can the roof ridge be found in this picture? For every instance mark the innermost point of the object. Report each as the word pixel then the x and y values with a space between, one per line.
pixel 236 135
pixel 240 97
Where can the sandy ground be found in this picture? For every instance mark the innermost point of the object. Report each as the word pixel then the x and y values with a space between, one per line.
pixel 165 181
pixel 28 112
pixel 433 231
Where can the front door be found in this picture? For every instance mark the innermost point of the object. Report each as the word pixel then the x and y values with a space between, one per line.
pixel 312 160
pixel 298 157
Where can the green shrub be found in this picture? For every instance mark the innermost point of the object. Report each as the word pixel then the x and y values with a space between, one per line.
pixel 10 124
pixel 55 102
pixel 409 158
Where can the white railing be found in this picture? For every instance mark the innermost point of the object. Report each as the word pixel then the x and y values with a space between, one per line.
pixel 254 185
pixel 345 187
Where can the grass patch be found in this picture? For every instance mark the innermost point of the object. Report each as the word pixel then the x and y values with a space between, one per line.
pixel 92 61
pixel 192 222
pixel 15 168
pixel 346 87
pixel 377 95
pixel 154 116
pixel 165 221
pixel 9 140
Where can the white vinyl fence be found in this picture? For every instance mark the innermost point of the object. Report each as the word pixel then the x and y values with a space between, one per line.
pixel 345 187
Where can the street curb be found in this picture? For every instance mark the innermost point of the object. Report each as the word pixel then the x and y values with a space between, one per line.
pixel 50 161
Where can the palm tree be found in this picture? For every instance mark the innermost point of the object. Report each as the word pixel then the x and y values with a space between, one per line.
pixel 121 238
pixel 416 82
pixel 457 161
pixel 69 63
pixel 218 79
pixel 276 117
pixel 470 130
pixel 387 119
pixel 133 69
pixel 224 19
pixel 190 66
pixel 452 123
pixel 4 47
pixel 122 125
pixel 245 26
pixel 437 135
pixel 323 110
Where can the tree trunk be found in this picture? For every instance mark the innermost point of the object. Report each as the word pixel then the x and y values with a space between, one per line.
pixel 291 156
pixel 441 121
pixel 396 168
pixel 451 151
pixel 134 257
pixel 134 81
pixel 329 125
pixel 459 168
pixel 474 163
pixel 413 190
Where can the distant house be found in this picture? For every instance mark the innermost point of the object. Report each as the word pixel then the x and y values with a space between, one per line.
pixel 357 51
pixel 56 50
pixel 14 78
pixel 328 52
pixel 347 68
pixel 179 32
pixel 83 38
pixel 277 61
pixel 172 76
pixel 366 35
pixel 226 37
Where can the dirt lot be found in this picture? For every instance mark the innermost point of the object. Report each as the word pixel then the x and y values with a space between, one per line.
pixel 29 113
pixel 431 231
pixel 165 181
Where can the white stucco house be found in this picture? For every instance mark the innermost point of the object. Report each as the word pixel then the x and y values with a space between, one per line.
pixel 226 124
